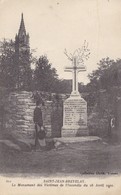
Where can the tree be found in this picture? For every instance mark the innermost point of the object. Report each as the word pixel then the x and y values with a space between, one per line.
pixel 45 77
pixel 64 86
pixel 15 68
pixel 7 57
pixel 23 70
pixel 107 75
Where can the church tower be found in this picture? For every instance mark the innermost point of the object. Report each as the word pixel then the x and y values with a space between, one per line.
pixel 22 38
pixel 22 58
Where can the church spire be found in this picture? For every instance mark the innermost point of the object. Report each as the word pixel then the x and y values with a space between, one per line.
pixel 22 38
pixel 22 30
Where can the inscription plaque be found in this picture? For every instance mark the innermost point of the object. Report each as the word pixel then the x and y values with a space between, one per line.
pixel 74 117
pixel 75 113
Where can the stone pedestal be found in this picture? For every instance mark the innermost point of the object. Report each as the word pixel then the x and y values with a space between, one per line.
pixel 74 117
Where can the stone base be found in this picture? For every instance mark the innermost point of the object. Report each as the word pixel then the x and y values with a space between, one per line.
pixel 74 132
pixel 67 140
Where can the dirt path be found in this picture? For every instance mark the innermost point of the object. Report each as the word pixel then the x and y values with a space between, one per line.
pixel 73 159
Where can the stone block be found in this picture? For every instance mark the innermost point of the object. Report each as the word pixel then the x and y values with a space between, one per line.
pixel 75 117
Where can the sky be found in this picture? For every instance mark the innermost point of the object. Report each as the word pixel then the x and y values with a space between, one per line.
pixel 54 25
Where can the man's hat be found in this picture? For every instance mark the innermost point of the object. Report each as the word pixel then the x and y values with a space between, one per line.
pixel 40 101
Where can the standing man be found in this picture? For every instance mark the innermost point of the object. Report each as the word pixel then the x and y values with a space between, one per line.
pixel 38 121
pixel 111 125
pixel 2 116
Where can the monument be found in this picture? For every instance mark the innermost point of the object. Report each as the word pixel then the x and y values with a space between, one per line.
pixel 75 107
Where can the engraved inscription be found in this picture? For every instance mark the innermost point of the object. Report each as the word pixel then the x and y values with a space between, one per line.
pixel 75 113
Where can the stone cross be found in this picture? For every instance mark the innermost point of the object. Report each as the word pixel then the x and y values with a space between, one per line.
pixel 75 69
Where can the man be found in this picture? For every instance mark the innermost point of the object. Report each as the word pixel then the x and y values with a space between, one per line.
pixel 111 124
pixel 2 117
pixel 38 121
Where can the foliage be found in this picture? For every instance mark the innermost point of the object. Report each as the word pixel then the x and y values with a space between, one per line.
pixel 16 72
pixel 106 76
pixel 24 72
pixel 7 57
pixel 64 86
pixel 45 77
pixel 15 68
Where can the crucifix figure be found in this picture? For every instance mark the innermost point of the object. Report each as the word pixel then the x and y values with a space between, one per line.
pixel 75 69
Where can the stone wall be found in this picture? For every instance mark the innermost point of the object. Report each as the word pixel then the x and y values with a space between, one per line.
pixel 4 93
pixel 20 114
pixel 20 108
